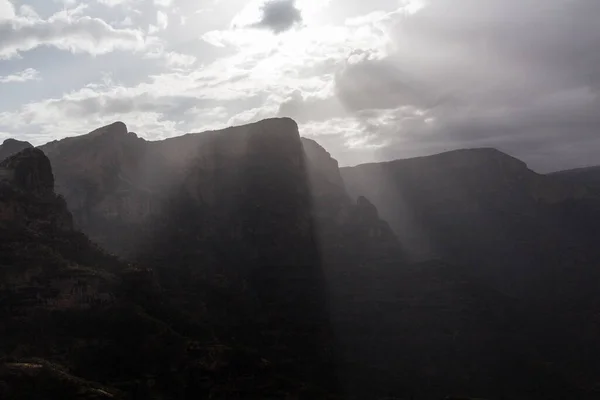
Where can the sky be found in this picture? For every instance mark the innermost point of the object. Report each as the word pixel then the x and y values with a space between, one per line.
pixel 369 80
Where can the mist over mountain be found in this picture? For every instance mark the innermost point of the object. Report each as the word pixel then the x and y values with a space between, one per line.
pixel 487 211
pixel 247 264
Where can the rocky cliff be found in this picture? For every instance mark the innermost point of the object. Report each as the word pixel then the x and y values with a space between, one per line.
pixel 12 146
pixel 62 302
pixel 283 275
pixel 249 222
pixel 119 186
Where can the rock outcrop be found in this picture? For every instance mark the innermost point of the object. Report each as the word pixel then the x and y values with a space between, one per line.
pixel 62 299
pixel 27 193
pixel 12 146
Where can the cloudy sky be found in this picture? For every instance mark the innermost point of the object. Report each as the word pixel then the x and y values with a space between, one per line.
pixel 369 80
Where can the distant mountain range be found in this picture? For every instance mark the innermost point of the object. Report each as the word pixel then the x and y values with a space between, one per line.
pixel 488 212
pixel 251 266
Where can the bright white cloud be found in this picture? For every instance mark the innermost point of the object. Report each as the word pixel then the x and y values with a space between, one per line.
pixel 172 58
pixel 162 20
pixel 65 30
pixel 28 74
pixel 264 66
pixel 7 10
pixel 163 3
pixel 113 3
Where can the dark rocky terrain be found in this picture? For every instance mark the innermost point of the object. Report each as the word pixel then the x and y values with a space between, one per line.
pixel 250 266
pixel 533 238
pixel 518 231
pixel 589 177
pixel 12 146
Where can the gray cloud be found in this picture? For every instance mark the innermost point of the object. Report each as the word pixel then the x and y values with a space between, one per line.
pixel 521 76
pixel 279 15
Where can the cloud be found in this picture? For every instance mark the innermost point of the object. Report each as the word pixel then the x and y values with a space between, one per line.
pixel 279 15
pixel 28 74
pixel 162 20
pixel 457 75
pixel 163 3
pixel 66 30
pixel 172 58
pixel 7 10
pixel 370 80
pixel 113 3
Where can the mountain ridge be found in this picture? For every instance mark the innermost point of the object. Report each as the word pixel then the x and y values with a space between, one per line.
pixel 259 255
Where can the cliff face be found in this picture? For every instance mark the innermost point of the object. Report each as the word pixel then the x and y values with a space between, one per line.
pixel 266 279
pixel 41 255
pixel 27 193
pixel 105 180
pixel 62 299
pixel 121 188
pixel 249 221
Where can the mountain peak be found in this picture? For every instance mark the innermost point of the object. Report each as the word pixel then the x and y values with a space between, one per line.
pixel 11 146
pixel 11 142
pixel 469 157
pixel 115 129
pixel 30 170
pixel 27 197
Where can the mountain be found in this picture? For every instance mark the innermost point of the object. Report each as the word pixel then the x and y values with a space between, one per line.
pixel 251 224
pixel 58 293
pixel 507 229
pixel 12 146
pixel 255 270
pixel 487 211
pixel 79 323
pixel 589 177
pixel 288 281
pixel 121 188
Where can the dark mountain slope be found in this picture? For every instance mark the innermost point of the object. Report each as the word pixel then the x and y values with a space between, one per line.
pixel 589 177
pixel 231 224
pixel 257 245
pixel 504 227
pixel 58 294
pixel 12 146
pixel 484 209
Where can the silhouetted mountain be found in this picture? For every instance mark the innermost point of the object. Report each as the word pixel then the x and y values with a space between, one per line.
pixel 485 209
pixel 12 146
pixel 529 236
pixel 589 177
pixel 230 221
pixel 48 271
pixel 69 311
pixel 278 275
